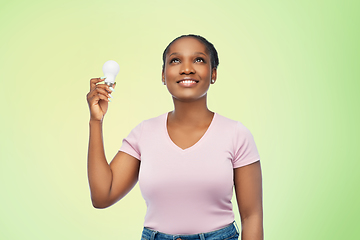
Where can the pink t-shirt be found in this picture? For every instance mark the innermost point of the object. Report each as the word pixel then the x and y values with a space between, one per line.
pixel 189 191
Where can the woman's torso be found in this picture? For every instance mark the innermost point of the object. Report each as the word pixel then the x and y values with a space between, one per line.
pixel 188 191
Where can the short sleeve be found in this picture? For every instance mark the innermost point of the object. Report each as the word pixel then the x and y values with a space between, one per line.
pixel 130 144
pixel 245 150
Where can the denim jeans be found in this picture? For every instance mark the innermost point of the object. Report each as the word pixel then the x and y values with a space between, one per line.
pixel 230 232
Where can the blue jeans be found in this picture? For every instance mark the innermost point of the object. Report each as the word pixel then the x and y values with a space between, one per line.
pixel 230 232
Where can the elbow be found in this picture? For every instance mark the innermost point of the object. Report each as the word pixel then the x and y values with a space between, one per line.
pixel 99 204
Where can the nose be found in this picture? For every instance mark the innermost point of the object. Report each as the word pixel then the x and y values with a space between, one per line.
pixel 187 68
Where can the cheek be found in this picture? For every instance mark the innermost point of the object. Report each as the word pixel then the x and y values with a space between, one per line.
pixel 205 71
pixel 170 72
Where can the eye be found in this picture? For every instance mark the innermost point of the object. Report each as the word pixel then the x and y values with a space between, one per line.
pixel 174 60
pixel 199 59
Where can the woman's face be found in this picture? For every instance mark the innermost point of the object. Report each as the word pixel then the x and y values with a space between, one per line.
pixel 187 71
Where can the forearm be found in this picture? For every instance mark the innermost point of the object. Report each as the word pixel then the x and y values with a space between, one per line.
pixel 252 228
pixel 99 172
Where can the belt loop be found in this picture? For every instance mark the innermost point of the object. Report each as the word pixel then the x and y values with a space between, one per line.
pixel 236 226
pixel 202 237
pixel 153 234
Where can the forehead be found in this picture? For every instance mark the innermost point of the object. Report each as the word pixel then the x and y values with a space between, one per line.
pixel 187 45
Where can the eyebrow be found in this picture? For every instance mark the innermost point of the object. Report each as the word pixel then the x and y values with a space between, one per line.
pixel 176 53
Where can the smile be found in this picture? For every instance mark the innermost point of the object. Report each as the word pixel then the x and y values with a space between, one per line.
pixel 187 82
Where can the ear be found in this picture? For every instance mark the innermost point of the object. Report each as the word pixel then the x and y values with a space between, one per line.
pixel 214 74
pixel 163 77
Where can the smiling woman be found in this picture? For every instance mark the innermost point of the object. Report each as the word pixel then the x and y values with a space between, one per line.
pixel 187 160
pixel 187 71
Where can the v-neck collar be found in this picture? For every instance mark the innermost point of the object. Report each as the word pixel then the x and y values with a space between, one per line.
pixel 166 115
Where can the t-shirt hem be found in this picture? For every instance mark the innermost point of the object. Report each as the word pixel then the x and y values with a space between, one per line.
pixel 252 161
pixel 131 154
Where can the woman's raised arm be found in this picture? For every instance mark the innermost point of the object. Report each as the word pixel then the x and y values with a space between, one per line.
pixel 108 183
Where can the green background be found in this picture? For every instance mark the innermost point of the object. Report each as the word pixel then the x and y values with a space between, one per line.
pixel 289 71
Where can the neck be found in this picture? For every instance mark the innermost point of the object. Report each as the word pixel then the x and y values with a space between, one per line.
pixel 191 113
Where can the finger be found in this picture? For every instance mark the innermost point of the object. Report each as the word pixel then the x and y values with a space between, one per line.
pixel 94 81
pixel 94 100
pixel 105 87
pixel 99 89
pixel 102 97
pixel 104 91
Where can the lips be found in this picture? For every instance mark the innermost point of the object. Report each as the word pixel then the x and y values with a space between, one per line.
pixel 187 82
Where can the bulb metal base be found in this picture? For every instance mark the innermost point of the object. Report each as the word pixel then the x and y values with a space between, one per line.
pixel 110 84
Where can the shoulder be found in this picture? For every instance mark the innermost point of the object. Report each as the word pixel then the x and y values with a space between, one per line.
pixel 154 121
pixel 233 129
pixel 230 124
pixel 145 127
pixel 151 124
pixel 242 145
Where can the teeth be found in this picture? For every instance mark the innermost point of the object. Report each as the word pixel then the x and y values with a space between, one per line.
pixel 188 81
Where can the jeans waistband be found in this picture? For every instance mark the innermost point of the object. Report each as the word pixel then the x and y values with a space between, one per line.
pixel 231 229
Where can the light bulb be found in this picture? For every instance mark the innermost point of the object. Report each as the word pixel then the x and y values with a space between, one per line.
pixel 110 69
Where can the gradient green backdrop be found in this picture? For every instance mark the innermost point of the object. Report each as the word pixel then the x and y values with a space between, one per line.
pixel 289 71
